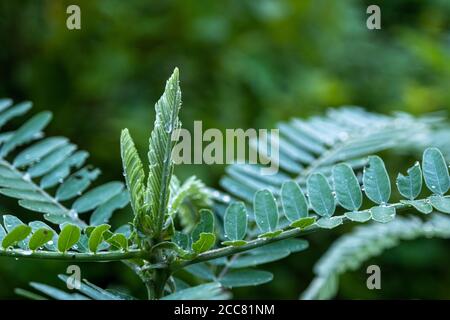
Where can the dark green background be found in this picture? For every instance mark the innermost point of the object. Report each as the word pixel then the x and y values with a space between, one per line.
pixel 243 63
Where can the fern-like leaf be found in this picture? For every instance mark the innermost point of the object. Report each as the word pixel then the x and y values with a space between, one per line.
pixel 353 249
pixel 29 173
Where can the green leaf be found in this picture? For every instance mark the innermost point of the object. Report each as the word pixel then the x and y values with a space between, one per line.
pixel 2 232
pixel 11 222
pixel 235 221
pixel 69 236
pixel 28 294
pixel 252 259
pixel 290 245
pixel 51 161
pixel 23 194
pixel 348 192
pixel 235 243
pixel 359 216
pixel 320 195
pixel 293 201
pixel 303 223
pixel 202 271
pixel 76 184
pixel 62 171
pixel 410 186
pixel 133 171
pixel 206 224
pixel 38 150
pixel 420 205
pixel 182 240
pixel 104 212
pixel 17 110
pixel 43 207
pixel 15 183
pixel 56 293
pixel 383 214
pixel 266 211
pixel 181 252
pixel 40 237
pixel 97 196
pixel 435 171
pixel 270 234
pixel 376 181
pixel 440 203
pixel 92 290
pixel 28 131
pixel 162 141
pixel 36 225
pixel 243 278
pixel 118 240
pixel 329 222
pixel 96 237
pixel 19 233
pixel 208 291
pixel 204 243
pixel 5 103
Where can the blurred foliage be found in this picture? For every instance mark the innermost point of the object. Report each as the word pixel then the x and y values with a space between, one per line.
pixel 243 63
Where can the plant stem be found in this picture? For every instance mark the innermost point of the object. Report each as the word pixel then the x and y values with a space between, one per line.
pixel 74 256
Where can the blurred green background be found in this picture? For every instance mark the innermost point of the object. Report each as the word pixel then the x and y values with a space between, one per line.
pixel 243 63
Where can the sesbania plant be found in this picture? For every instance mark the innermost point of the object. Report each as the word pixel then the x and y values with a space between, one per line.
pixel 175 226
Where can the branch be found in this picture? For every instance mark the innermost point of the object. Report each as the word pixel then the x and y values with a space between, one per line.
pixel 74 256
